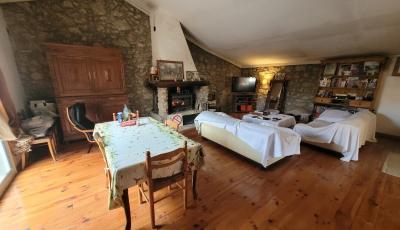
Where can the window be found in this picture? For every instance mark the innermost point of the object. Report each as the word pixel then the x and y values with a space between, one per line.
pixel 7 170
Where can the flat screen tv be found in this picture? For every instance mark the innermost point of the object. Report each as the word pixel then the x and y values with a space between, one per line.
pixel 244 84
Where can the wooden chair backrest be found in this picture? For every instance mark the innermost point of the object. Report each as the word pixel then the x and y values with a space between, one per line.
pixel 173 124
pixel 166 159
pixel 71 122
pixel 85 132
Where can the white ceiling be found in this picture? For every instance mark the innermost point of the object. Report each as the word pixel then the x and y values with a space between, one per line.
pixel 278 32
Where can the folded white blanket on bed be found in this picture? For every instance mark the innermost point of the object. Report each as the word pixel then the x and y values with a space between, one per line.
pixel 350 134
pixel 269 142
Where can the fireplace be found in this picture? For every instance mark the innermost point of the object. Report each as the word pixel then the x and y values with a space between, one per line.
pixel 180 102
pixel 184 98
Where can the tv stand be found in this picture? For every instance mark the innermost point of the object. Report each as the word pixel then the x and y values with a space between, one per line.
pixel 244 102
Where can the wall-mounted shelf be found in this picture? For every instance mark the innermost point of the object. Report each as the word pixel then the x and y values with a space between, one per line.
pixel 242 103
pixel 350 82
pixel 167 84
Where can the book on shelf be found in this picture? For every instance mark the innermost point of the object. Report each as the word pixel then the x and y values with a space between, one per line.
pixel 353 82
pixel 372 83
pixel 325 82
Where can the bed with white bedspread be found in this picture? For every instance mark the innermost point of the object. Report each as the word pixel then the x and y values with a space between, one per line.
pixel 263 144
pixel 340 132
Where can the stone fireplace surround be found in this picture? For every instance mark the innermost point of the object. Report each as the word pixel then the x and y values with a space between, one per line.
pixel 162 92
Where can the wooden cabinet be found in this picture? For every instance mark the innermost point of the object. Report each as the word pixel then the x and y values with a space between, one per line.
pixel 98 109
pixel 349 82
pixel 108 76
pixel 83 70
pixel 72 76
pixel 90 75
pixel 243 103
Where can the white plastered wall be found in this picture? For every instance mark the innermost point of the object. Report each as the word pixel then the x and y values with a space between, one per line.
pixel 388 109
pixel 9 68
pixel 168 40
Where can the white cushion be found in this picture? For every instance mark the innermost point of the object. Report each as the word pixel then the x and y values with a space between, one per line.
pixel 333 115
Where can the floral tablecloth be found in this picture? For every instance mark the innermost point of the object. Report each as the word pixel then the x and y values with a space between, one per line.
pixel 125 150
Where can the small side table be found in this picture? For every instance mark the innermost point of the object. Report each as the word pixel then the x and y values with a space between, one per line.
pixel 49 140
pixel 278 120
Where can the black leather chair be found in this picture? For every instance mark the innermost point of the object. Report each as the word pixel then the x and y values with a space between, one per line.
pixel 76 115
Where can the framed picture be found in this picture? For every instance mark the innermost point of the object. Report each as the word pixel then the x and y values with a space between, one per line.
pixel 330 69
pixel 371 68
pixel 170 70
pixel 192 76
pixel 396 70
pixel 344 70
pixel 356 69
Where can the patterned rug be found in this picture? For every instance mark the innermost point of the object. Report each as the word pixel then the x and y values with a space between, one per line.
pixel 392 164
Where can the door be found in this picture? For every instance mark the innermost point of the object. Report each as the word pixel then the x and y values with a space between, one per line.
pixel 108 76
pixel 7 168
pixel 73 76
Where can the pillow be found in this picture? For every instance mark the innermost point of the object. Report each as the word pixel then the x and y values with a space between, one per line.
pixel 334 115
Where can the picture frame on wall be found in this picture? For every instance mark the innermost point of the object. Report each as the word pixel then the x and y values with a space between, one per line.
pixel 396 70
pixel 371 68
pixel 330 69
pixel 344 70
pixel 170 70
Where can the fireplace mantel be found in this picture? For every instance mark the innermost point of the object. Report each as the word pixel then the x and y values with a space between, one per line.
pixel 168 84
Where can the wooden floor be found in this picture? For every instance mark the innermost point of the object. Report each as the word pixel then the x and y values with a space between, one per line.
pixel 312 191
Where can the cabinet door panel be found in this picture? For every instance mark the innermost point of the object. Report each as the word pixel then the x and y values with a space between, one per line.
pixel 109 105
pixel 73 76
pixel 108 76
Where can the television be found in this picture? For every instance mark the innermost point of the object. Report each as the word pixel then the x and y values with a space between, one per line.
pixel 244 84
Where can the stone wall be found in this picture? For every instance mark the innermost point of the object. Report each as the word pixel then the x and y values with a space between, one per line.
pixel 109 23
pixel 302 85
pixel 218 72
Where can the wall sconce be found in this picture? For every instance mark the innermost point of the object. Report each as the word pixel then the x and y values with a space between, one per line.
pixel 265 79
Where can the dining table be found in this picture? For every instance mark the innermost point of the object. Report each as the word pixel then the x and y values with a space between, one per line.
pixel 125 154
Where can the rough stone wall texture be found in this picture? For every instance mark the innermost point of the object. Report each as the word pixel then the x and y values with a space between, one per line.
pixel 218 71
pixel 201 97
pixel 302 85
pixel 109 23
pixel 162 100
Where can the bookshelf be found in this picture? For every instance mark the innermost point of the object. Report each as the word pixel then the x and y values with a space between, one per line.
pixel 243 103
pixel 349 82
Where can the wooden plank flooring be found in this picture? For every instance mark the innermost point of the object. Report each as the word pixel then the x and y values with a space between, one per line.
pixel 312 191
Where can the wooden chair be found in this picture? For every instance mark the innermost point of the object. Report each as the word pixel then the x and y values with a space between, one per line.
pixel 172 124
pixel 76 117
pixel 100 143
pixel 158 162
pixel 49 140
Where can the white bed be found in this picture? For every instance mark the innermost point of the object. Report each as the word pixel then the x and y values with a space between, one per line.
pixel 262 144
pixel 343 134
